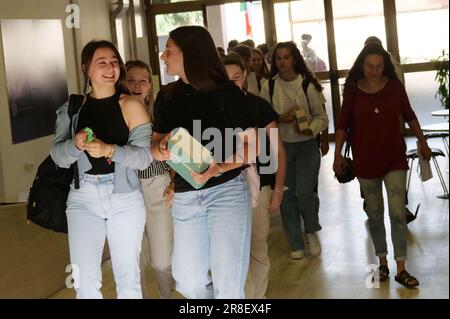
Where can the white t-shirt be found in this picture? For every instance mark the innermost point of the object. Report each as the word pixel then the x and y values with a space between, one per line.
pixel 252 84
pixel 288 96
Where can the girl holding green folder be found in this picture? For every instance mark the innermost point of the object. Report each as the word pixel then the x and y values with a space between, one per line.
pixel 212 224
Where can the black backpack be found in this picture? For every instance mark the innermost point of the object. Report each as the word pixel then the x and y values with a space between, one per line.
pixel 48 195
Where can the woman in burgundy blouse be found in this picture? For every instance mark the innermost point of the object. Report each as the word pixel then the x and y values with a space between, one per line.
pixel 373 101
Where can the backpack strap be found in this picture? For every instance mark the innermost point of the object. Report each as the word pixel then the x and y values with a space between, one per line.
pixel 305 84
pixel 271 88
pixel 75 103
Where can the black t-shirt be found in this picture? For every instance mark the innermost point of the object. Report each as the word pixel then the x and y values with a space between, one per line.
pixel 179 105
pixel 105 118
pixel 264 115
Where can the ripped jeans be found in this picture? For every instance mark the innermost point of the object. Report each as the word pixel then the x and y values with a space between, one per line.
pixel 395 183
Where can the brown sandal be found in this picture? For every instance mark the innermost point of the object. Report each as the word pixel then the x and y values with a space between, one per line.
pixel 383 273
pixel 406 279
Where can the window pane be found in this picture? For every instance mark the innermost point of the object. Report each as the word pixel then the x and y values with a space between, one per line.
pixel 305 17
pixel 236 21
pixel 421 88
pixel 167 1
pixel 422 29
pixel 139 18
pixel 354 21
pixel 166 23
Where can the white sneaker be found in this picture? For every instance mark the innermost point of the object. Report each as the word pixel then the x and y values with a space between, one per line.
pixel 314 244
pixel 297 254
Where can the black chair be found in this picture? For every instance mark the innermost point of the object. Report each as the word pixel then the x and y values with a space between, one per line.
pixel 413 154
pixel 443 135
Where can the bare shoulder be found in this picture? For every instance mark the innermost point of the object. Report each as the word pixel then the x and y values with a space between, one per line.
pixel 133 111
pixel 129 101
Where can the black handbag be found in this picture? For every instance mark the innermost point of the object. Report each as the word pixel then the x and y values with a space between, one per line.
pixel 48 195
pixel 348 172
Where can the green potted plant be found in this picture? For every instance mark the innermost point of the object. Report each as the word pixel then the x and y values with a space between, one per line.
pixel 442 78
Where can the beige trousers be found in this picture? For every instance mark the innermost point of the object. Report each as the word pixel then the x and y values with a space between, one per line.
pixel 158 236
pixel 258 271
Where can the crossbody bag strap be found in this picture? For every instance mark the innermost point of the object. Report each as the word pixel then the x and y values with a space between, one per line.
pixel 271 89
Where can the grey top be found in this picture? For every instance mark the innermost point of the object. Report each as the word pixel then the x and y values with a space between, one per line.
pixel 128 158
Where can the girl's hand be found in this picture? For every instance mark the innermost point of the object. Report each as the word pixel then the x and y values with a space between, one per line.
pixel 287 117
pixel 339 165
pixel 163 149
pixel 212 171
pixel 324 147
pixel 275 202
pixel 168 194
pixel 98 148
pixel 425 150
pixel 80 140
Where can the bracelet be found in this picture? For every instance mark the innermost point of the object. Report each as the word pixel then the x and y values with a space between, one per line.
pixel 112 153
pixel 276 190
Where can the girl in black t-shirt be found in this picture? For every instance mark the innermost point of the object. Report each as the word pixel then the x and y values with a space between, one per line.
pixel 212 224
pixel 272 185
pixel 107 201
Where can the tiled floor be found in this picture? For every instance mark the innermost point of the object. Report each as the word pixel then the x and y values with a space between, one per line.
pixel 343 269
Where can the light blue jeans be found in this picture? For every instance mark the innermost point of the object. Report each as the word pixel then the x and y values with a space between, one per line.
pixel 212 233
pixel 395 183
pixel 95 213
pixel 301 199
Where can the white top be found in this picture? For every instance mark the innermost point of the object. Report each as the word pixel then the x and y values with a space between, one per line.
pixel 288 96
pixel 252 84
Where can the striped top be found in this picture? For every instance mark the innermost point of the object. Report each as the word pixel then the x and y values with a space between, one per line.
pixel 156 168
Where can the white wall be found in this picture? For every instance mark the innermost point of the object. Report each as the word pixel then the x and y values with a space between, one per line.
pixel 94 24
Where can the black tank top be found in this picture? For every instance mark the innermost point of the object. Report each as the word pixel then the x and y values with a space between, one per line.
pixel 105 118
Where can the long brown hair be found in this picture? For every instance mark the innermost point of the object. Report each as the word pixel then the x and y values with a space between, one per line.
pixel 149 97
pixel 299 64
pixel 264 71
pixel 356 72
pixel 202 65
pixel 86 59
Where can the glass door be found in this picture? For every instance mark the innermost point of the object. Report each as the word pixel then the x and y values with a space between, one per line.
pixel 166 23
pixel 307 28
pixel 236 21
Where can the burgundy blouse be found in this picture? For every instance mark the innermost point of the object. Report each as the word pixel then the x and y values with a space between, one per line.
pixel 373 119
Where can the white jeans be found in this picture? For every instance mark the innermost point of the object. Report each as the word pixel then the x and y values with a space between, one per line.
pixel 95 213
pixel 158 239
pixel 258 270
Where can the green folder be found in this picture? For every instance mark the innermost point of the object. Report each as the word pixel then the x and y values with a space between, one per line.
pixel 188 155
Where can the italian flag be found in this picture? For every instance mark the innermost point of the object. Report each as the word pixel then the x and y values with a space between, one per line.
pixel 248 26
